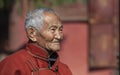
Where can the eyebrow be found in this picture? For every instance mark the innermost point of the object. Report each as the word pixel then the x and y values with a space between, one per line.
pixel 54 25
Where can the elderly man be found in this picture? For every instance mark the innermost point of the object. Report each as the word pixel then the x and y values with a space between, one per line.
pixel 39 57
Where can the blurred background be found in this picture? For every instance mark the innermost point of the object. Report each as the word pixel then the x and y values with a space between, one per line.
pixel 91 29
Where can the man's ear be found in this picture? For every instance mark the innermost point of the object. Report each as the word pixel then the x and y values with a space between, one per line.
pixel 31 33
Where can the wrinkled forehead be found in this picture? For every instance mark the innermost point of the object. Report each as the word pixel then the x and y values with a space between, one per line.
pixel 52 19
pixel 51 16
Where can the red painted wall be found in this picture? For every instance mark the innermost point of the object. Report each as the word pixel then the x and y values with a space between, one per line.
pixel 74 51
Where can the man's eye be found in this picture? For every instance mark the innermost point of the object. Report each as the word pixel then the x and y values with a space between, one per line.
pixel 53 29
pixel 61 29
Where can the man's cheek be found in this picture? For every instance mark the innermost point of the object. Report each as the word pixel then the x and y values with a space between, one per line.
pixel 49 38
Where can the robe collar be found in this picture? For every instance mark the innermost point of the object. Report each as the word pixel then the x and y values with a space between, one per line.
pixel 37 52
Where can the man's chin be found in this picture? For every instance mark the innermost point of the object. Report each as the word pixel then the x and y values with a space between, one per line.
pixel 55 49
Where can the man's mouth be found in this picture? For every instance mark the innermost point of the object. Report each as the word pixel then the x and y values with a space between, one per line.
pixel 56 42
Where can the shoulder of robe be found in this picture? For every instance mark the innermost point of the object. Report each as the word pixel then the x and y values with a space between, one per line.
pixel 15 58
pixel 13 64
pixel 63 65
pixel 64 69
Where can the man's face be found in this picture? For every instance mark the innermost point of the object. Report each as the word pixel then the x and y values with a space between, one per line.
pixel 51 34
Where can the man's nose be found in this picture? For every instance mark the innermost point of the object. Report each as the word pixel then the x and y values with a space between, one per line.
pixel 58 35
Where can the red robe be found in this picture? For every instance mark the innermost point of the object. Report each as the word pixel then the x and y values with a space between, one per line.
pixel 32 61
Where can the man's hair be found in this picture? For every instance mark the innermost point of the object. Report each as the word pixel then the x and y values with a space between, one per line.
pixel 35 18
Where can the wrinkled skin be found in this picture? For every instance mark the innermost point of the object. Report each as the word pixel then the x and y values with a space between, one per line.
pixel 50 35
